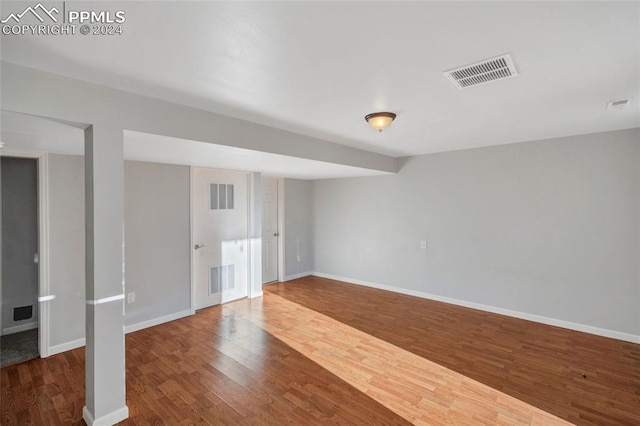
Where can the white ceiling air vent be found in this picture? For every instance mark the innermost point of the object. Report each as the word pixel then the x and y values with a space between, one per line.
pixel 497 68
pixel 617 105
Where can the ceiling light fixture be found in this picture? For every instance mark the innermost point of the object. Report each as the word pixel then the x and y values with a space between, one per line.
pixel 380 120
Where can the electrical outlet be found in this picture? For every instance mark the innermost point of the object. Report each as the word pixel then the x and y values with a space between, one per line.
pixel 131 298
pixel 423 244
pixel 299 258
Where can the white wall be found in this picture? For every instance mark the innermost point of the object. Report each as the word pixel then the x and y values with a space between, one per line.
pixel 157 265
pixel 157 240
pixel 548 228
pixel 298 227
pixel 66 249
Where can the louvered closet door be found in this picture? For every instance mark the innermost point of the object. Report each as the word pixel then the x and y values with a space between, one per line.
pixel 220 233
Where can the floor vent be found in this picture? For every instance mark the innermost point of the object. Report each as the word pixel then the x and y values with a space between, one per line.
pixel 493 69
pixel 23 313
pixel 221 278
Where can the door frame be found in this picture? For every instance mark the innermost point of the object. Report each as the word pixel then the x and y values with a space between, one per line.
pixel 281 229
pixel 192 267
pixel 43 243
pixel 281 236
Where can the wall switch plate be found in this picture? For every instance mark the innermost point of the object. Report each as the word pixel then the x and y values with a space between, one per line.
pixel 423 244
pixel 131 298
pixel 299 258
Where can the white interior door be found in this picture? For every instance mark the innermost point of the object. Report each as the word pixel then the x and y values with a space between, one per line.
pixel 220 236
pixel 270 233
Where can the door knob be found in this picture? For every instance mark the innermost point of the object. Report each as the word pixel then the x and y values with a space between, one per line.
pixel 277 234
pixel 198 246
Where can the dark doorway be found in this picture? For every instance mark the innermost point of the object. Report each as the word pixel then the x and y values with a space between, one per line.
pixel 20 257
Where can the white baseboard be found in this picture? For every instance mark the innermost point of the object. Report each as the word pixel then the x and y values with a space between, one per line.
pixel 106 420
pixel 78 343
pixel 19 328
pixel 63 347
pixel 256 294
pixel 296 276
pixel 156 321
pixel 493 309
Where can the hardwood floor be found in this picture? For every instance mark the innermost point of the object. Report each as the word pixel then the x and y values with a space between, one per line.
pixel 211 368
pixel 417 389
pixel 579 377
pixel 314 351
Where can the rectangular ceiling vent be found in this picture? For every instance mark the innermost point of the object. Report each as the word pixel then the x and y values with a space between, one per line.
pixel 497 68
pixel 617 105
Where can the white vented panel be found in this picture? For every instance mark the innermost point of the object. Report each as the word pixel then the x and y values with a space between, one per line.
pixel 221 196
pixel 230 282
pixel 221 277
pixel 214 280
pixel 213 196
pixel 230 197
pixel 493 69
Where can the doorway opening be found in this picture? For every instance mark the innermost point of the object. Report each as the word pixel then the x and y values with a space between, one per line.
pixel 19 311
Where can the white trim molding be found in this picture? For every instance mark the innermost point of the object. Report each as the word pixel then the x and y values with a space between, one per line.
pixel 19 328
pixel 192 261
pixel 296 276
pixel 627 337
pixel 281 230
pixel 156 321
pixel 106 420
pixel 67 346
pixel 78 343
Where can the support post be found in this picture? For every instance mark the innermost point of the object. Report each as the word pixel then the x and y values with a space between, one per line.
pixel 104 262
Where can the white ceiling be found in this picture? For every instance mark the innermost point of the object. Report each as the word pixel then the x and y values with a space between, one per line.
pixel 317 68
pixel 20 132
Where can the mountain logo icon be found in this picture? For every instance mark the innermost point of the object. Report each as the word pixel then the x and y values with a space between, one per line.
pixel 38 11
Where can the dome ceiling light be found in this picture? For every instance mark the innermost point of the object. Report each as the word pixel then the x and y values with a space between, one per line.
pixel 380 120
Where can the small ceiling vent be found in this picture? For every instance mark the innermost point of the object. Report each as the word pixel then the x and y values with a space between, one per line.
pixel 497 68
pixel 617 105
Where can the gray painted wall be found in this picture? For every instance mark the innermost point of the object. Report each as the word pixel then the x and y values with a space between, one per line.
pixel 298 226
pixel 157 240
pixel 66 254
pixel 19 240
pixel 549 228
pixel 157 265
